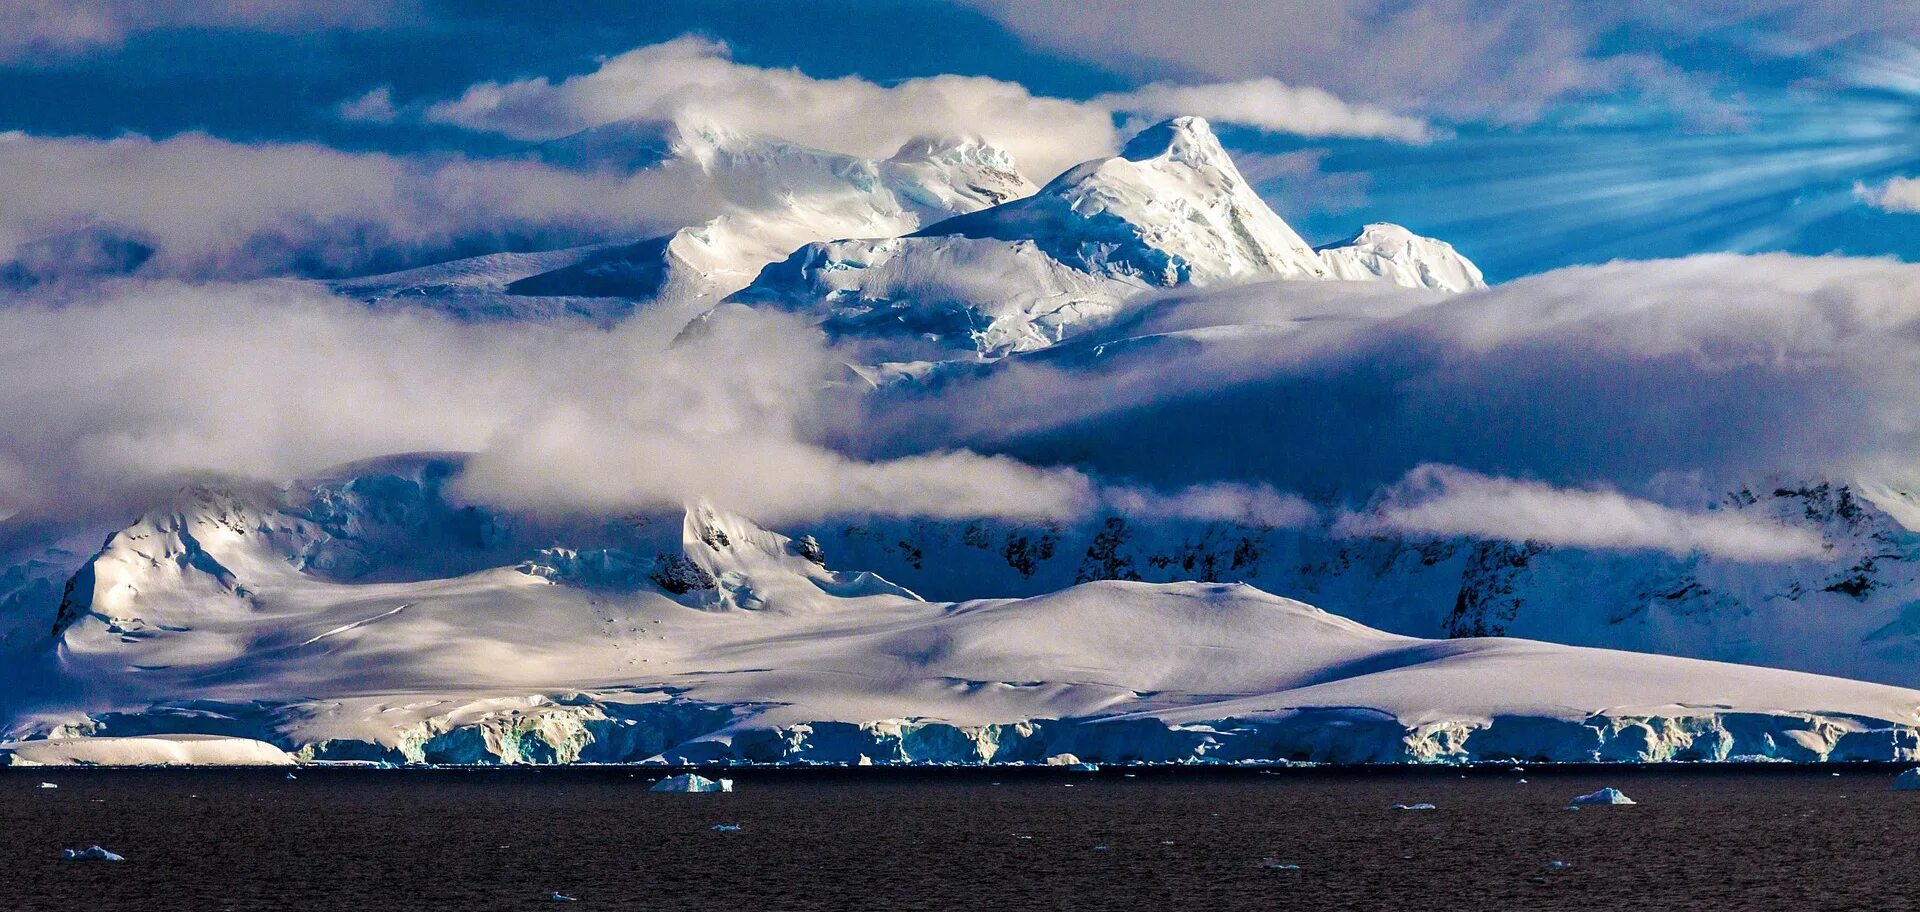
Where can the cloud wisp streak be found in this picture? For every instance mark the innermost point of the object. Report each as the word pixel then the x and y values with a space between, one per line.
pixel 1435 501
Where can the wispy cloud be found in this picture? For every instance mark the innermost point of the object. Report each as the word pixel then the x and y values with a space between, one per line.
pixel 1269 104
pixel 1252 504
pixel 1444 501
pixel 43 31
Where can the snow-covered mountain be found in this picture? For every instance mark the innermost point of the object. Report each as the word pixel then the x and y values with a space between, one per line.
pixel 711 638
pixel 773 196
pixel 1170 210
pixel 372 614
pixel 1847 612
pixel 1390 252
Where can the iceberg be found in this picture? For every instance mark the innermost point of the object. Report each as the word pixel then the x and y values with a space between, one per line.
pixel 1604 796
pixel 692 782
pixel 1422 806
pixel 93 853
pixel 1908 781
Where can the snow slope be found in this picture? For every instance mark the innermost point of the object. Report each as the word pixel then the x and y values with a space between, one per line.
pixel 714 639
pixel 1170 210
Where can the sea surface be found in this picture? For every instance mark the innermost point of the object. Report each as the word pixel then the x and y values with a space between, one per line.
pixel 1705 838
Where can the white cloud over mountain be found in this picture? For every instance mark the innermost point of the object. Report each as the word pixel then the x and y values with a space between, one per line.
pixel 1729 368
pixel 695 78
pixel 1269 104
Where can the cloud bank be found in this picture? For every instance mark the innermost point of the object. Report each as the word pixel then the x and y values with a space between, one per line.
pixel 133 387
pixel 1729 369
pixel 195 205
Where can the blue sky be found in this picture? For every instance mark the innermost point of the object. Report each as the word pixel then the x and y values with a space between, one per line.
pixel 1646 130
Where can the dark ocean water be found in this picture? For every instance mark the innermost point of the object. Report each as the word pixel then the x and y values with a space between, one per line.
pixel 1700 839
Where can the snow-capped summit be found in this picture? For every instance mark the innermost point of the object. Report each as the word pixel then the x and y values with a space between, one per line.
pixel 772 196
pixel 1386 251
pixel 1170 209
pixel 955 174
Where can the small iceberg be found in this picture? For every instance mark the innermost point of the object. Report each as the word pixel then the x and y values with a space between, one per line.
pixel 1908 781
pixel 94 853
pixel 1604 796
pixel 49 785
pixel 692 782
pixel 562 897
pixel 726 828
pixel 1422 806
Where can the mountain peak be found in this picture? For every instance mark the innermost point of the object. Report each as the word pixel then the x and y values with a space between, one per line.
pixel 1185 139
pixel 932 146
pixel 1383 250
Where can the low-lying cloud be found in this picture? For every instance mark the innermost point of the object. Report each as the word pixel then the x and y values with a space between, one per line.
pixel 1443 501
pixel 1733 369
pixel 1247 504
pixel 125 391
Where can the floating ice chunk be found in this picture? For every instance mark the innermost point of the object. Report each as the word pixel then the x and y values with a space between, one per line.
pixel 1558 865
pixel 1422 806
pixel 1276 864
pixel 292 776
pixel 692 782
pixel 1063 760
pixel 562 897
pixel 726 828
pixel 49 785
pixel 1908 781
pixel 1604 796
pixel 94 853
pixel 1523 782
